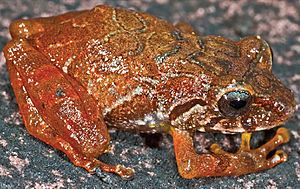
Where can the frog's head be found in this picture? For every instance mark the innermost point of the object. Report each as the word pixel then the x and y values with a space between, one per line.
pixel 246 96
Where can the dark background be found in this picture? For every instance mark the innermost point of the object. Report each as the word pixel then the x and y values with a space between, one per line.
pixel 25 162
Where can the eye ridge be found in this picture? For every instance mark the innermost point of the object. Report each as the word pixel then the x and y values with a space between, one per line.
pixel 234 103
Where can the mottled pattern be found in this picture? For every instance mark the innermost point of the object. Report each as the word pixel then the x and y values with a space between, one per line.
pixel 227 19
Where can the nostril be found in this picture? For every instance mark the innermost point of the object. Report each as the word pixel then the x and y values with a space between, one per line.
pixel 280 107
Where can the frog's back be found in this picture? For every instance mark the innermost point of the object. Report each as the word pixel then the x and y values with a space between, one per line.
pixel 119 42
pixel 103 34
pixel 112 52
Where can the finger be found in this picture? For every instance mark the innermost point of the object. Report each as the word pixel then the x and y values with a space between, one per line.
pixel 216 149
pixel 281 137
pixel 245 142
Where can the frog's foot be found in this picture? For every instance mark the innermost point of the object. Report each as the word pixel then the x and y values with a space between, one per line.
pixel 98 167
pixel 221 163
pixel 247 160
pixel 125 173
pixel 90 164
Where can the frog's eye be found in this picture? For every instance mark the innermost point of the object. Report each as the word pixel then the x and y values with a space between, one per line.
pixel 234 103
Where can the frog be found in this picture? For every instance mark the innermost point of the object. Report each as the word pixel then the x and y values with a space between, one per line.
pixel 79 74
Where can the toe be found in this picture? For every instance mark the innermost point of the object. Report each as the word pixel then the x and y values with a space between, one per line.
pixel 216 149
pixel 283 134
pixel 125 172
pixel 281 137
pixel 279 157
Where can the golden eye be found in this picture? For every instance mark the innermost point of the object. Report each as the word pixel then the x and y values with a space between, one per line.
pixel 234 103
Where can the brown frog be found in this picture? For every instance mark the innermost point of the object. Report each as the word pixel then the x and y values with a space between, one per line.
pixel 74 75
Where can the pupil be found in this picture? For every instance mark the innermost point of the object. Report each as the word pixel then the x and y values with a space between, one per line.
pixel 234 103
pixel 238 104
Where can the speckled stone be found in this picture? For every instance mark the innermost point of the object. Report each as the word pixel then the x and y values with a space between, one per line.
pixel 28 163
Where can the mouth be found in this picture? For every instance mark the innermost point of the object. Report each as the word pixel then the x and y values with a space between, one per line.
pixel 241 126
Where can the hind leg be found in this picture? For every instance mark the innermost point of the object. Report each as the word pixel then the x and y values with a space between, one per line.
pixel 57 109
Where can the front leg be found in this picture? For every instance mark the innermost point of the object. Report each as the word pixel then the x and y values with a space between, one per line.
pixel 220 163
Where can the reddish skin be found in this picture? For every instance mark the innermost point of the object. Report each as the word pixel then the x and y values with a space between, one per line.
pixel 77 73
